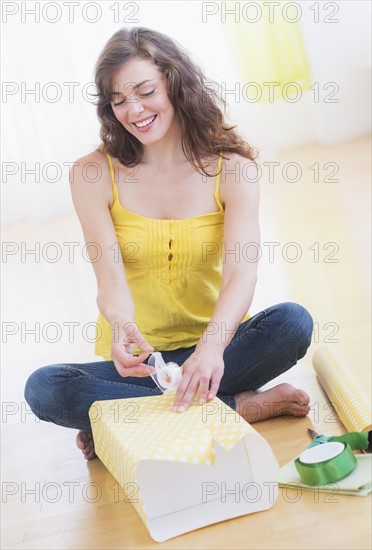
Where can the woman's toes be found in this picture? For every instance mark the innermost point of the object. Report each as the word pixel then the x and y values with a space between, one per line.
pixel 296 409
pixel 81 440
pixel 84 441
pixel 303 397
pixel 89 453
pixel 293 395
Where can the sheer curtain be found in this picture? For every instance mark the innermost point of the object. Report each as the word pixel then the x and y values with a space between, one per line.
pixel 49 120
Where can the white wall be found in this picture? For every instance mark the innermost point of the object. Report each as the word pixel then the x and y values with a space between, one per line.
pixel 53 134
pixel 340 53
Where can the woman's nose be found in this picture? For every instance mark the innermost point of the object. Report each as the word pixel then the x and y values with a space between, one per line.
pixel 135 106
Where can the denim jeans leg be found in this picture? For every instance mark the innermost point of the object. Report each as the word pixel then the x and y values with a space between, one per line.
pixel 265 346
pixel 63 393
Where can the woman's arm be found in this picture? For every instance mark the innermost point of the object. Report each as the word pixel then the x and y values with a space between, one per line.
pixel 240 253
pixel 91 198
pixel 239 275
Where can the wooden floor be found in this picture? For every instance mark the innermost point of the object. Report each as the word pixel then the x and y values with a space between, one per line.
pixel 53 499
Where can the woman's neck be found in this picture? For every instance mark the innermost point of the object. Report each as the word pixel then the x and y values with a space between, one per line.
pixel 166 153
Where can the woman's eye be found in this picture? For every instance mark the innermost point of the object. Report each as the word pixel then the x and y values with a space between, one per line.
pixel 118 103
pixel 148 93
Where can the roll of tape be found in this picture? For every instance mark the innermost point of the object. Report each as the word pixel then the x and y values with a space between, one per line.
pixel 325 463
pixel 169 376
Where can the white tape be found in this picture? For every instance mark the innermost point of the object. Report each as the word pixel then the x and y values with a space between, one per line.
pixel 320 453
pixel 170 376
pixel 167 376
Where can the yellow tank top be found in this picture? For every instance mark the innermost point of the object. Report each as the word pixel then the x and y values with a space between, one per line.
pixel 173 269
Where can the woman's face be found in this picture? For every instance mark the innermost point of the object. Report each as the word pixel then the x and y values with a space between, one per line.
pixel 140 100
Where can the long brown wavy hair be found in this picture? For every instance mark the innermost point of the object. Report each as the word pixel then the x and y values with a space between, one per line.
pixel 197 105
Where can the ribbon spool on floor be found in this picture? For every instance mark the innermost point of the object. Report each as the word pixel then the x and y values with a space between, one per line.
pixel 325 463
pixel 330 458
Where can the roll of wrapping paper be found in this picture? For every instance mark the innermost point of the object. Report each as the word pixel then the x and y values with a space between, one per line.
pixel 350 403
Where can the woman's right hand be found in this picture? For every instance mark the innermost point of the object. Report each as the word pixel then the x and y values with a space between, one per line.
pixel 124 336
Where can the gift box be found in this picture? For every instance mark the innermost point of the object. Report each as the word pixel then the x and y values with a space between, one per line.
pixel 183 471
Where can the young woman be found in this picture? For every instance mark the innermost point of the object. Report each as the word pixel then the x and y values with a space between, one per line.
pixel 173 214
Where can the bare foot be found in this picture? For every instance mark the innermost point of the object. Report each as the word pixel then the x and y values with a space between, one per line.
pixel 84 440
pixel 280 400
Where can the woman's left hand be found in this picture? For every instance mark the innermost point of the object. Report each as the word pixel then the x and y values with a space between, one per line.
pixel 202 372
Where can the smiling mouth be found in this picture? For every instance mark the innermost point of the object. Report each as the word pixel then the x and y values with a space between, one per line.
pixel 145 122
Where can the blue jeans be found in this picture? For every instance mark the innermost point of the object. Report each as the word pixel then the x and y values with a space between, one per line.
pixel 263 347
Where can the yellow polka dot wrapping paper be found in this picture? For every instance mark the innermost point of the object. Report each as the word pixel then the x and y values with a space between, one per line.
pixel 183 471
pixel 345 394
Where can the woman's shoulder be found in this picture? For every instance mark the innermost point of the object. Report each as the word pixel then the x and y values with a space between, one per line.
pixel 93 159
pixel 236 161
pixel 90 177
pixel 235 170
pixel 92 168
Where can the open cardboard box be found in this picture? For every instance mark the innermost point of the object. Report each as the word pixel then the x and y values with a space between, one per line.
pixel 183 471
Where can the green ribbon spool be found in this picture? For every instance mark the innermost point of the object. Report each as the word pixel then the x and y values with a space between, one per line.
pixel 322 472
pixel 329 459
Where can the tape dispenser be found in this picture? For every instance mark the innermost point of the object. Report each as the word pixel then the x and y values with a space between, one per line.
pixel 167 375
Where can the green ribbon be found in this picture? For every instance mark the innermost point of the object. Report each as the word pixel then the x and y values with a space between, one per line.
pixel 356 440
pixel 336 468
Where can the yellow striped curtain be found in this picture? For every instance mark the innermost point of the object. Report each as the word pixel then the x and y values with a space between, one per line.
pixel 268 51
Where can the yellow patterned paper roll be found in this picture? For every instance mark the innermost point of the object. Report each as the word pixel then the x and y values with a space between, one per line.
pixel 344 393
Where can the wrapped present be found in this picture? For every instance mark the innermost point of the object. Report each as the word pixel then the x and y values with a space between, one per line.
pixel 183 471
